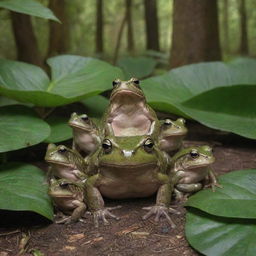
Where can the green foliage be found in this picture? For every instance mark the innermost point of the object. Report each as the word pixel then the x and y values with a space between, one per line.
pixel 139 67
pixel 23 188
pixel 29 7
pixel 216 94
pixel 60 130
pixel 96 105
pixel 20 127
pixel 237 198
pixel 234 232
pixel 218 236
pixel 73 78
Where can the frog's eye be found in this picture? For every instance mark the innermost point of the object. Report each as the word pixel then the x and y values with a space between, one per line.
pixel 62 149
pixel 167 122
pixel 194 153
pixel 85 117
pixel 136 82
pixel 181 120
pixel 64 184
pixel 148 145
pixel 116 82
pixel 107 146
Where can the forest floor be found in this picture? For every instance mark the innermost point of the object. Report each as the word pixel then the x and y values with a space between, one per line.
pixel 130 235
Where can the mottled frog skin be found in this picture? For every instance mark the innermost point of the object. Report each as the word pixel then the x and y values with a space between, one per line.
pixel 86 137
pixel 65 163
pixel 129 167
pixel 69 198
pixel 192 167
pixel 172 134
pixel 128 113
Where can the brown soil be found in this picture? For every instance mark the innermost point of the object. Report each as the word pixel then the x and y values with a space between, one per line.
pixel 131 235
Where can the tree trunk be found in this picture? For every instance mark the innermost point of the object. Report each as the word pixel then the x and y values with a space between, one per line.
pixel 243 25
pixel 99 27
pixel 195 36
pixel 130 38
pixel 25 39
pixel 152 35
pixel 225 26
pixel 59 32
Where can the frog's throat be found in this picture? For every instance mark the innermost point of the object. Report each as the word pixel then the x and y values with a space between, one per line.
pixel 128 165
pixel 126 92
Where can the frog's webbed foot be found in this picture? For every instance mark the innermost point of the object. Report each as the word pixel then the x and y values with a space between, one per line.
pixel 160 210
pixel 102 214
pixel 213 185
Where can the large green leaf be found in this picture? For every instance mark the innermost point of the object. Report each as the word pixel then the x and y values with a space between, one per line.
pixel 96 105
pixel 227 108
pixel 23 188
pixel 29 7
pixel 179 91
pixel 236 199
pixel 73 78
pixel 218 236
pixel 60 130
pixel 138 67
pixel 20 127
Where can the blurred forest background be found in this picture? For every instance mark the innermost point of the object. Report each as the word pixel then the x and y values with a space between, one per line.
pixel 178 32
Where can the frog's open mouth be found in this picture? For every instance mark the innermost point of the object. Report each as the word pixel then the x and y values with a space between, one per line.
pixel 59 163
pixel 81 127
pixel 126 92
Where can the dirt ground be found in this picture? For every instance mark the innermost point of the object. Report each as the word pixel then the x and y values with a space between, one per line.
pixel 131 235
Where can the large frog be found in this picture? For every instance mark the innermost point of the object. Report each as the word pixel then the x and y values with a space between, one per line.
pixel 128 113
pixel 65 163
pixel 192 168
pixel 69 198
pixel 86 136
pixel 129 167
pixel 172 134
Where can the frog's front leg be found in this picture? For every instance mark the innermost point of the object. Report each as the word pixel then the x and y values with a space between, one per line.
pixel 96 203
pixel 79 211
pixel 162 207
pixel 213 180
pixel 182 191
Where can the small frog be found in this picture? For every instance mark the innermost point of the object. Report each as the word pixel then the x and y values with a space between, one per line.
pixel 128 113
pixel 129 167
pixel 171 134
pixel 191 166
pixel 65 163
pixel 69 198
pixel 86 136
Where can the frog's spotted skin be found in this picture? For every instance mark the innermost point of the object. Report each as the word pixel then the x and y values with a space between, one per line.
pixel 69 198
pixel 86 136
pixel 191 166
pixel 65 163
pixel 128 167
pixel 128 113
pixel 172 134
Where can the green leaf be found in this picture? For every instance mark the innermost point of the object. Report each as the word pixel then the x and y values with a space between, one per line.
pixel 60 130
pixel 138 67
pixel 73 78
pixel 23 188
pixel 236 199
pixel 96 105
pixel 20 127
pixel 179 91
pixel 227 108
pixel 218 236
pixel 29 7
